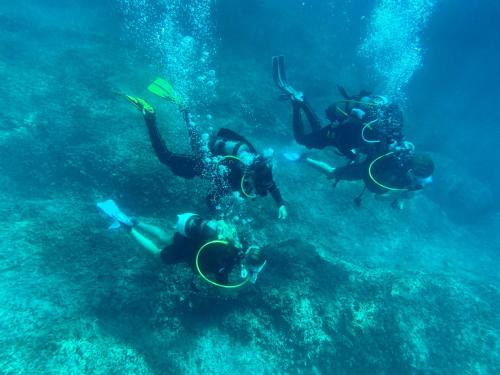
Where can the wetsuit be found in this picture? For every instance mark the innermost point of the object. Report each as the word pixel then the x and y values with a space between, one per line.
pixel 191 165
pixel 347 132
pixel 345 136
pixel 219 260
pixel 391 171
pixel 227 142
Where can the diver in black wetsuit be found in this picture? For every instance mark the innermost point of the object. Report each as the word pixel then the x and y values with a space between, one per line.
pixel 360 124
pixel 211 248
pixel 365 128
pixel 246 171
pixel 367 124
pixel 400 172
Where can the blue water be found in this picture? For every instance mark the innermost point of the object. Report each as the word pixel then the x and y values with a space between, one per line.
pixel 346 289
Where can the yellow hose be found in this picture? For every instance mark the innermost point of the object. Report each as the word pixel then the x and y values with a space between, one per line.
pixel 373 178
pixel 214 283
pixel 368 124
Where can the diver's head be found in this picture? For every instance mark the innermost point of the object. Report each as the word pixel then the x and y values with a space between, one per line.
pixel 253 262
pixel 421 169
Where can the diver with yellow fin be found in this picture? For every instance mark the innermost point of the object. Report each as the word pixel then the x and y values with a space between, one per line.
pixel 246 172
pixel 211 248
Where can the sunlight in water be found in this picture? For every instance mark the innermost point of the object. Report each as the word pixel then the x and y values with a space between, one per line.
pixel 393 43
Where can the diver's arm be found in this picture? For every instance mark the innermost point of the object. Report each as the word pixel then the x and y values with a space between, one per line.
pixel 276 194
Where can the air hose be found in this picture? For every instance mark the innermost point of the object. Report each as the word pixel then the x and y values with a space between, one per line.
pixel 370 174
pixel 204 277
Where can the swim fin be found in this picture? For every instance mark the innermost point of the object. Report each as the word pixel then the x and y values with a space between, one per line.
pixel 142 105
pixel 279 77
pixel 164 89
pixel 111 210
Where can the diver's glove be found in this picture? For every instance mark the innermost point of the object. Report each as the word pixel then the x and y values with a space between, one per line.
pixel 282 212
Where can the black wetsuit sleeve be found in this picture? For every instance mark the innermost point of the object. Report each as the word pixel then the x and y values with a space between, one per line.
pixel 187 166
pixel 276 194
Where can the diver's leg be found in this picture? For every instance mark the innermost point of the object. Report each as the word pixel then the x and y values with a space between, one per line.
pixel 145 242
pixel 182 165
pixel 321 166
pixel 155 231
pixel 315 139
pixel 186 166
pixel 298 124
pixel 162 152
pixel 313 119
pixel 351 172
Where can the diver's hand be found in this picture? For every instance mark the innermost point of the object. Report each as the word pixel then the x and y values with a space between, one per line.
pixel 282 213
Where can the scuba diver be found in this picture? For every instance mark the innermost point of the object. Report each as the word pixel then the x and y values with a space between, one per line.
pixel 401 171
pixel 360 124
pixel 227 158
pixel 367 130
pixel 211 248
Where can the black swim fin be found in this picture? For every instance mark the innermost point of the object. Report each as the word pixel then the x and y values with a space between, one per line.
pixel 279 72
pixel 279 78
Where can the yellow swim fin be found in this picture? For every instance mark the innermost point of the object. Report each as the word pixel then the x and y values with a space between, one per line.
pixel 165 90
pixel 141 105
